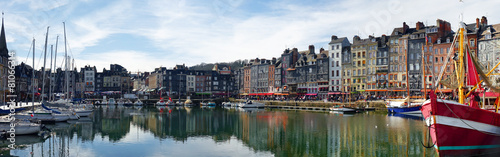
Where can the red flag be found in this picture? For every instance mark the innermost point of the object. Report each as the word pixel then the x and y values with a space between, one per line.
pixel 472 77
pixel 169 98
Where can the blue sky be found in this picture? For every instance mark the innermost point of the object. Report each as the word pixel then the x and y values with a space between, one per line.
pixel 143 35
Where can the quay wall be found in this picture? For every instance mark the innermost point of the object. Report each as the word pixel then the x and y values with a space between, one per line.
pixel 378 105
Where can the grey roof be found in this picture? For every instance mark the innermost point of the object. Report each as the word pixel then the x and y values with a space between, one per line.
pixel 493 29
pixel 397 31
pixel 338 40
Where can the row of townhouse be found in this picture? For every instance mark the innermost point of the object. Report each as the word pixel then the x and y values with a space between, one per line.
pixel 184 81
pixel 408 61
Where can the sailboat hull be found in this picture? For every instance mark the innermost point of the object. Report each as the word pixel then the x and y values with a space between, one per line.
pixel 405 110
pixel 457 129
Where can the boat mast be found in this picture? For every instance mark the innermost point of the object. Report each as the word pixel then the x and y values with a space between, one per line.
pixel 55 60
pixel 407 78
pixel 460 70
pixel 44 60
pixel 423 69
pixel 66 62
pixel 33 80
pixel 50 73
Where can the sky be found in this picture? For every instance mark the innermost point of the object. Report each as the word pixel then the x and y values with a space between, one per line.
pixel 147 34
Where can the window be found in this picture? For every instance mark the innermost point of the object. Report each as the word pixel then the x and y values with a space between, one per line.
pixel 487 36
pixel 337 55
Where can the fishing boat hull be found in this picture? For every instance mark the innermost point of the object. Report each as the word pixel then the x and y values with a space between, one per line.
pixel 457 129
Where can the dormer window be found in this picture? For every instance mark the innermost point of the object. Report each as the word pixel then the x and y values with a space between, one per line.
pixel 439 41
pixel 373 40
pixel 487 36
pixel 447 40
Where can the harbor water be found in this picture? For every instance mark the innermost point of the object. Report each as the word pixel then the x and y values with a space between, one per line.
pixel 180 131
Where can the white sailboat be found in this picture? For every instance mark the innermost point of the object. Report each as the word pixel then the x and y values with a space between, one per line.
pixel 251 104
pixel 21 127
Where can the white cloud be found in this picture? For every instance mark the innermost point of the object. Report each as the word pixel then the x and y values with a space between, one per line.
pixel 192 32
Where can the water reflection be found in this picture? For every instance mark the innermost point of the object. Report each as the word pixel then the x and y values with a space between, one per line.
pixel 151 131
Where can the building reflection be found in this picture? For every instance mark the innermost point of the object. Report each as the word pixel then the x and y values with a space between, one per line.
pixel 284 133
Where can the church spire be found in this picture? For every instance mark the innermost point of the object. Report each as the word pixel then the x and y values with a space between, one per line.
pixel 3 43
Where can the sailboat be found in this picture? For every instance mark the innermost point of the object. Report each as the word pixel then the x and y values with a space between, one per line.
pixel 65 106
pixel 45 117
pixel 463 128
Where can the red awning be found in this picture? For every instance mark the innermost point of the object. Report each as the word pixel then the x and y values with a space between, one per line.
pixel 489 95
pixel 312 94
pixel 333 93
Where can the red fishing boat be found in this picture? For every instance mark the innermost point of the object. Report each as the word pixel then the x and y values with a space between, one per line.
pixel 463 128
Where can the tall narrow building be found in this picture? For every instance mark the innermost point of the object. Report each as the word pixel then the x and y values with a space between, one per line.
pixel 358 71
pixel 337 47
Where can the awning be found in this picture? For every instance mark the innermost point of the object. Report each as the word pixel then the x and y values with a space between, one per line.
pixel 252 94
pixel 444 90
pixel 280 94
pixel 377 90
pixel 397 90
pixel 333 92
pixel 489 95
pixel 312 94
pixel 240 94
pixel 428 90
pixel 204 93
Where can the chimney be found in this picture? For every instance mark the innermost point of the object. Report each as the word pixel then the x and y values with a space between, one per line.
pixel 321 50
pixel 405 28
pixel 419 25
pixel 477 22
pixel 311 49
pixel 286 51
pixel 484 21
pixel 295 49
pixel 334 37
